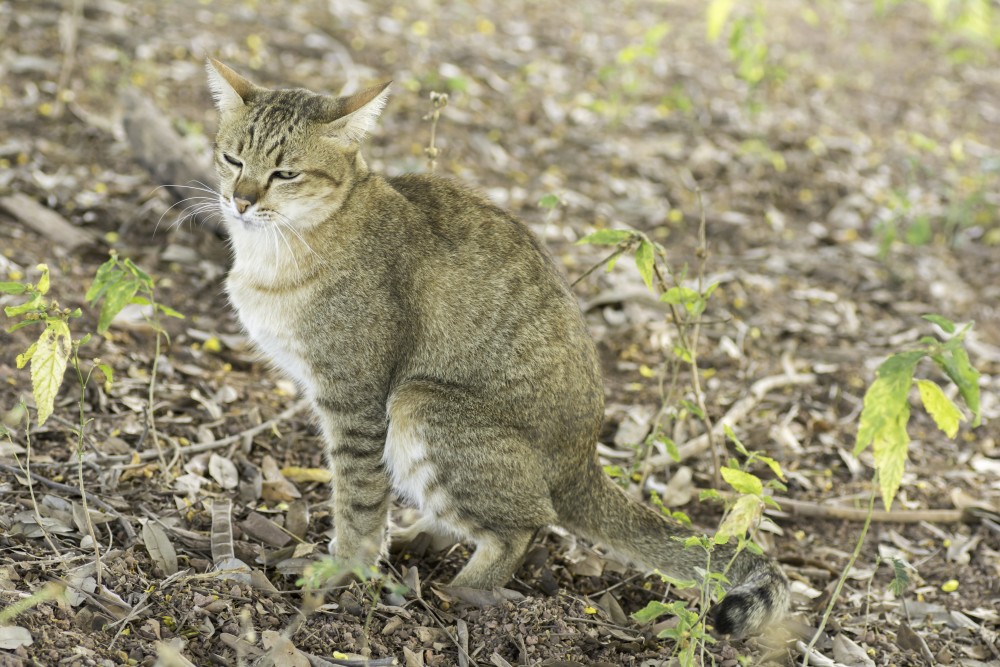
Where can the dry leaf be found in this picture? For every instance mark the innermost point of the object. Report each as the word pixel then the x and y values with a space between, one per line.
pixel 296 474
pixel 159 547
pixel 14 636
pixel 223 471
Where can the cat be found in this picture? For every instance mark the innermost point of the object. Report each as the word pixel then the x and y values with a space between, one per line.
pixel 444 354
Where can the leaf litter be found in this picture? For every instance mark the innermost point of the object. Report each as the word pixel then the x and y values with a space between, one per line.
pixel 796 195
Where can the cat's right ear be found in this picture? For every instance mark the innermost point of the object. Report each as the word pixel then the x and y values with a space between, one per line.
pixel 230 90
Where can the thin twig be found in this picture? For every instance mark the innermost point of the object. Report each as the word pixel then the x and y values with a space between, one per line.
pixel 197 448
pixel 614 255
pixel 67 488
pixel 438 102
pixel 843 577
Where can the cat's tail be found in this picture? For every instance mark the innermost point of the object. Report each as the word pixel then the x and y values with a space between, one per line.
pixel 604 513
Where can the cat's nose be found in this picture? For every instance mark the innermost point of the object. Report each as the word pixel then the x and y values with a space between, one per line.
pixel 243 203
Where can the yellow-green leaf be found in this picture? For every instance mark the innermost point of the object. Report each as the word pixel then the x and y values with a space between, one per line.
pixel 644 262
pixel 742 518
pixel 48 365
pixel 945 413
pixel 607 237
pixel 43 280
pixel 25 356
pixel 889 447
pixel 715 18
pixel 743 482
pixel 886 397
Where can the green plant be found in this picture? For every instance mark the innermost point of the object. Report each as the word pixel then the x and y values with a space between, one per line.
pixel 884 418
pixel 117 283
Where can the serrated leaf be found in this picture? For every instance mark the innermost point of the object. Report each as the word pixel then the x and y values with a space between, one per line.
pixel 644 262
pixel 652 611
pixel 889 447
pixel 607 237
pixel 957 367
pixel 943 322
pixel 43 281
pixel 741 518
pixel 48 365
pixel 13 288
pixel 945 413
pixel 159 547
pixel 116 297
pixel 144 277
pixel 743 482
pixel 715 18
pixel 886 397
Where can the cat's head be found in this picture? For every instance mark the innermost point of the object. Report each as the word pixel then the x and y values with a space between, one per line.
pixel 286 158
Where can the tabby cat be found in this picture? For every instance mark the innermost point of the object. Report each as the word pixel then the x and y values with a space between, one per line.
pixel 443 352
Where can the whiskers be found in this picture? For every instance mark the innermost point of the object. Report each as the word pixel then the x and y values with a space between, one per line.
pixel 196 207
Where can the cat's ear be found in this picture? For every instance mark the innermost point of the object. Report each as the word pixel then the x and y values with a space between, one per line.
pixel 357 113
pixel 230 90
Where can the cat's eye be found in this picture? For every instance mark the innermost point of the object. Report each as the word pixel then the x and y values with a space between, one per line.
pixel 231 160
pixel 285 175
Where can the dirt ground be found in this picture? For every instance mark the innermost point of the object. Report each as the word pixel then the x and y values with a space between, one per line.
pixel 854 189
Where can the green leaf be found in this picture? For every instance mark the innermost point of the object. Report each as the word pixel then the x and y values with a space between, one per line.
pixel 943 322
pixel 679 295
pixel 741 519
pixel 43 281
pixel 13 288
pixel 24 323
pixel 109 375
pixel 957 367
pixel 672 451
pixel 772 464
pixel 549 201
pixel 169 312
pixel 652 611
pixel 25 356
pixel 607 237
pixel 945 413
pixel 146 279
pixel 117 297
pixel 48 365
pixel 107 273
pixel 715 18
pixel 886 397
pixel 743 482
pixel 644 261
pixel 736 441
pixel 889 447
pixel 35 303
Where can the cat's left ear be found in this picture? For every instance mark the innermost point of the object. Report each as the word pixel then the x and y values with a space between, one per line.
pixel 357 113
pixel 230 90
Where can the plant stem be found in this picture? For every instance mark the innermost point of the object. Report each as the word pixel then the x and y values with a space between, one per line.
pixel 79 467
pixel 843 575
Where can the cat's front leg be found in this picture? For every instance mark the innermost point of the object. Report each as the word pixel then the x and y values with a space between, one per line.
pixel 355 440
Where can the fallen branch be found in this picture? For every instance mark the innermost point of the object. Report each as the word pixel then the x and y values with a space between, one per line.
pixel 739 410
pixel 197 448
pixel 45 221
pixel 805 508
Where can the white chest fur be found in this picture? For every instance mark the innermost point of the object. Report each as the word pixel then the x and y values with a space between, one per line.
pixel 272 322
